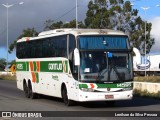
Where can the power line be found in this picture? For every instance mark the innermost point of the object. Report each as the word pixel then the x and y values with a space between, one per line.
pixel 66 13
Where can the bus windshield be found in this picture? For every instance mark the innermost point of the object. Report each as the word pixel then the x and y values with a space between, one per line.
pixel 100 65
pixel 103 42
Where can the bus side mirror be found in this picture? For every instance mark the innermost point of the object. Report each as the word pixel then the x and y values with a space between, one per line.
pixel 137 57
pixel 76 57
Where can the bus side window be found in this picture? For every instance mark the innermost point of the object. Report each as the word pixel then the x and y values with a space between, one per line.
pixel 45 47
pixel 18 50
pixel 39 49
pixel 27 50
pixel 52 48
pixel 61 42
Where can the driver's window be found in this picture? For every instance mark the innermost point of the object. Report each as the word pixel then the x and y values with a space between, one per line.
pixel 72 46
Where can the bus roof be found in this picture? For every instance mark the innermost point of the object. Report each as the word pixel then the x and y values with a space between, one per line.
pixel 73 31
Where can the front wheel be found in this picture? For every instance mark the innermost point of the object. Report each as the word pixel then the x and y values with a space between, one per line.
pixel 67 102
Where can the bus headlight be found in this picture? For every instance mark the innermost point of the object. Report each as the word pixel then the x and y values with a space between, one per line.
pixel 87 89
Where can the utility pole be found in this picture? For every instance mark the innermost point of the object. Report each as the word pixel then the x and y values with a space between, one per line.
pixel 76 14
pixel 8 6
pixel 145 8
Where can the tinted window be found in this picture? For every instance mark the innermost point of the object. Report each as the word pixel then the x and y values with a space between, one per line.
pixel 72 43
pixel 103 42
pixel 48 47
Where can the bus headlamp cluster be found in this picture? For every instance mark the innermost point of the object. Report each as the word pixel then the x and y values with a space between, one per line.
pixel 87 89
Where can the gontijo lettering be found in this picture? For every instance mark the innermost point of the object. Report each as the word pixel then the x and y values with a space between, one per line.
pixel 55 66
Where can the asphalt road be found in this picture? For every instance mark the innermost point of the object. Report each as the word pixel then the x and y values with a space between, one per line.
pixel 12 99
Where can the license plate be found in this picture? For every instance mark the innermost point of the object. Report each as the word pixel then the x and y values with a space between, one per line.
pixel 109 96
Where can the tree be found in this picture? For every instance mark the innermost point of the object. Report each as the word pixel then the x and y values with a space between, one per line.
pixel 51 25
pixel 119 15
pixel 97 15
pixel 29 32
pixel 2 64
pixel 12 62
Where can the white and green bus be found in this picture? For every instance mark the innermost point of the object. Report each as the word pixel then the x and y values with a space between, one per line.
pixel 76 65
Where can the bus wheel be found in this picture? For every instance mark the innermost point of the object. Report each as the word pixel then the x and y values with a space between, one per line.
pixel 26 91
pixel 31 94
pixel 67 102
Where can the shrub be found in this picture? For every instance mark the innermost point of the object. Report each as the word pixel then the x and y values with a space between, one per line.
pixel 147 94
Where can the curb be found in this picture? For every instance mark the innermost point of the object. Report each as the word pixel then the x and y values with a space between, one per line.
pixel 147 86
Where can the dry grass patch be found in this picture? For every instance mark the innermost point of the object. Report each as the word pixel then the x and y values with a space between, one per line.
pixel 7 77
pixel 154 79
pixel 147 94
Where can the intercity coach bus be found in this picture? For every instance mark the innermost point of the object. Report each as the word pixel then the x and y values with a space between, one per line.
pixel 76 65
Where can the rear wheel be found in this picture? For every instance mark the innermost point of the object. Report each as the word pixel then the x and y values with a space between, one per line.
pixel 67 102
pixel 32 95
pixel 26 90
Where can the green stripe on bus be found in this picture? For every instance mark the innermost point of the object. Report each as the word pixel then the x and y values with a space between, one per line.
pixel 107 85
pixel 37 77
pixel 45 66
pixel 21 66
pixel 34 66
pixel 27 66
pixel 83 86
pixel 118 85
pixel 51 66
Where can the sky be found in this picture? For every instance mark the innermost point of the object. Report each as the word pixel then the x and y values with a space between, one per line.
pixel 34 13
pixel 152 14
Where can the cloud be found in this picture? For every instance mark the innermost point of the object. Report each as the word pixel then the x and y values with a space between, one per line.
pixel 33 13
pixel 155 32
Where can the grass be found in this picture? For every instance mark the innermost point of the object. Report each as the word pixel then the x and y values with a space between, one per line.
pixel 154 79
pixel 7 77
pixel 147 94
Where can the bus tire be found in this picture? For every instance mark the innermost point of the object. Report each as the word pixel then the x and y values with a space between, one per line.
pixel 66 101
pixel 26 91
pixel 32 95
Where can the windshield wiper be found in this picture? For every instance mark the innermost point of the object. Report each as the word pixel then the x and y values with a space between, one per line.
pixel 120 77
pixel 99 76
